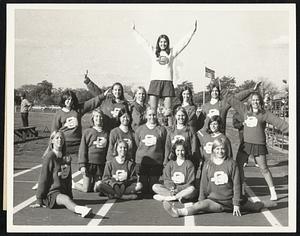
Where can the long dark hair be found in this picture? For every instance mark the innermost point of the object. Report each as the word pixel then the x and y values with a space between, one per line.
pixel 186 150
pixel 65 95
pixel 121 113
pixel 122 90
pixel 186 88
pixel 157 51
pixel 212 86
pixel 220 123
pixel 261 102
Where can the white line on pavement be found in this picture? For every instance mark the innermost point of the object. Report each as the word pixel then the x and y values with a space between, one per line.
pixel 30 200
pixel 102 212
pixel 269 216
pixel 28 170
pixel 189 220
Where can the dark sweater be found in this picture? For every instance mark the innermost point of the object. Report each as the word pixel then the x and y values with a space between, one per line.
pixel 55 176
pixel 255 123
pixel 150 145
pixel 179 177
pixel 221 108
pixel 220 182
pixel 93 147
pixel 113 168
pixel 70 122
pixel 137 115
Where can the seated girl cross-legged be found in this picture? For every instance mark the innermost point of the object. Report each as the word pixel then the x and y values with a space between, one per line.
pixel 178 177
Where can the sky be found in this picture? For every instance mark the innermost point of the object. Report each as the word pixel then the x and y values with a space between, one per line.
pixel 59 45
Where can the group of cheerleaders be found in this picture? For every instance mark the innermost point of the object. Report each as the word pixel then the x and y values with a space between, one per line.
pixel 128 154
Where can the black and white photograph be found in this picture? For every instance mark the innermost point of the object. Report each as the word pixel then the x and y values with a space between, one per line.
pixel 150 118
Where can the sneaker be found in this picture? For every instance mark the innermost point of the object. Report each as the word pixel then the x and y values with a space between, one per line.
pixel 245 164
pixel 35 186
pixel 129 197
pixel 257 165
pixel 86 211
pixel 172 211
pixel 170 198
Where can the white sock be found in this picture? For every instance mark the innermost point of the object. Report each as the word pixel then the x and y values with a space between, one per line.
pixel 273 193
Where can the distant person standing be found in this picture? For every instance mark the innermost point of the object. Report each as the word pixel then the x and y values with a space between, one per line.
pixel 25 108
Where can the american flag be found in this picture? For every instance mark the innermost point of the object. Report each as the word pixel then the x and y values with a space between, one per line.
pixel 209 73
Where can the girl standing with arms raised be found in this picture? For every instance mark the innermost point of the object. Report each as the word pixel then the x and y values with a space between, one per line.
pixel 255 120
pixel 162 57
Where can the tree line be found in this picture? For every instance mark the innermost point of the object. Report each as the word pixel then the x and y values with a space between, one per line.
pixel 44 94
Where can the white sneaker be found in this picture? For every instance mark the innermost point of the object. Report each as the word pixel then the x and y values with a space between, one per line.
pixel 129 197
pixel 170 198
pixel 35 186
pixel 86 211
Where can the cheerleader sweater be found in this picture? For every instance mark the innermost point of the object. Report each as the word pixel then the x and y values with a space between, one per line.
pixel 109 106
pixel 138 115
pixel 116 135
pixel 70 122
pixel 151 145
pixel 206 140
pixel 55 176
pixel 113 170
pixel 221 108
pixel 187 135
pixel 93 147
pixel 255 123
pixel 162 66
pixel 177 176
pixel 220 183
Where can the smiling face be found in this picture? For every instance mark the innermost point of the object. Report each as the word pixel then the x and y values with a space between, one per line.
pixel 122 150
pixel 117 91
pixel 98 119
pixel 125 119
pixel 255 102
pixel 151 116
pixel 58 142
pixel 214 126
pixel 215 93
pixel 180 152
pixel 163 44
pixel 68 102
pixel 219 151
pixel 180 117
pixel 186 96
pixel 140 96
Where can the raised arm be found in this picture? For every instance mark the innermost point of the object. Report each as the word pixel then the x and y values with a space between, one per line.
pixel 237 105
pixel 141 40
pixel 178 48
pixel 92 87
pixel 279 123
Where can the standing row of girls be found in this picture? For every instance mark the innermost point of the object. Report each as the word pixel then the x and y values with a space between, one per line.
pixel 126 149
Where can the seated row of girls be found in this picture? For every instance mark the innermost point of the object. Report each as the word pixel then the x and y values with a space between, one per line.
pixel 219 188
